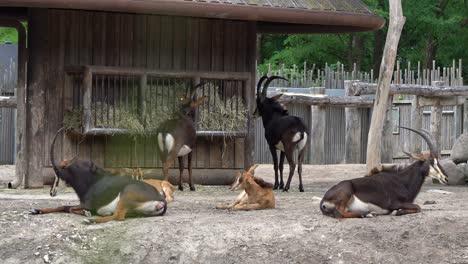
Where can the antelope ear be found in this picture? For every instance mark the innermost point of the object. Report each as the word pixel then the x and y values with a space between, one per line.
pixel 415 156
pixel 251 170
pixel 276 97
pixel 198 101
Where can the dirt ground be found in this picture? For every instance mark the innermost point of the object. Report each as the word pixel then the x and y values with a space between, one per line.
pixel 193 231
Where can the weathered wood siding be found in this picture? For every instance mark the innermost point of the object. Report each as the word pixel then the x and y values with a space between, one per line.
pixel 135 40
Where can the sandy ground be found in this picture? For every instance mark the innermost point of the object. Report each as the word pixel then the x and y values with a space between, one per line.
pixel 193 231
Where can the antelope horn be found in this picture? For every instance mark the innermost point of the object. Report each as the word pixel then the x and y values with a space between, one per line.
pixel 259 85
pixel 194 89
pixel 267 83
pixel 426 138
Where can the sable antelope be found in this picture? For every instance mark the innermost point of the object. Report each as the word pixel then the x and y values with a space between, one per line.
pixel 177 138
pixel 282 132
pixel 257 194
pixel 387 191
pixel 108 195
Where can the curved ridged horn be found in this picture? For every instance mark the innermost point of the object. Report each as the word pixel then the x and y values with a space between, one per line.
pixel 259 85
pixel 193 90
pixel 425 137
pixel 272 78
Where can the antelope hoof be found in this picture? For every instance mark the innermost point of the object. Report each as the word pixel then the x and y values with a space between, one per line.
pixel 368 215
pixel 301 189
pixel 281 186
pixel 35 211
pixel 87 213
pixel 275 187
pixel 192 188
pixel 181 188
pixel 89 221
pixel 286 189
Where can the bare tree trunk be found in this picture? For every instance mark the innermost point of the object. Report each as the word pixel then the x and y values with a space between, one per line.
pixel 355 50
pixel 430 51
pixel 374 145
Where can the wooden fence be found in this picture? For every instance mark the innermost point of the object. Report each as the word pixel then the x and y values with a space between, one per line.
pixel 335 107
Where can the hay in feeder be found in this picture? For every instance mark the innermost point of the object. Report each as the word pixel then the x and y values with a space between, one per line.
pixel 215 114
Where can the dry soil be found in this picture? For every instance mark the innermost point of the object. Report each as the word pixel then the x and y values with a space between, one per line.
pixel 193 231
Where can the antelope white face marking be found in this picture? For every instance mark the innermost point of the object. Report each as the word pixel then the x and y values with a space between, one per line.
pixel 169 140
pixel 436 173
pixel 150 208
pixel 184 150
pixel 280 146
pixel 356 205
pixel 109 208
pixel 328 205
pixel 301 144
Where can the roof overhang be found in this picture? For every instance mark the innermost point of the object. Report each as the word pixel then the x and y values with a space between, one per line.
pixel 292 20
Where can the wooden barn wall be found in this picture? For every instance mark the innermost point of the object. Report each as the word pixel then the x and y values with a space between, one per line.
pixel 135 40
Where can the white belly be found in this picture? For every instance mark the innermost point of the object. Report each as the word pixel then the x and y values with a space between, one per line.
pixel 356 205
pixel 150 208
pixel 109 208
pixel 184 150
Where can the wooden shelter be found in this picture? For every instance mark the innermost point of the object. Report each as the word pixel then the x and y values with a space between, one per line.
pixel 91 54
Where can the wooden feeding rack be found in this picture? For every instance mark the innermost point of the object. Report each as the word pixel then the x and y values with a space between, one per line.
pixel 103 92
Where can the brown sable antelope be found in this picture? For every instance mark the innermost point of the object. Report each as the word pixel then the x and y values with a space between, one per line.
pixel 176 138
pixel 110 196
pixel 283 132
pixel 257 194
pixel 386 191
pixel 164 187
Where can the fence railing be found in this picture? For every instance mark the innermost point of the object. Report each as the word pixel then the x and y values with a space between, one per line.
pixel 333 77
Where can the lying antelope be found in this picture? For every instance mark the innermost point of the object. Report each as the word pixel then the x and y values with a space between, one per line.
pixel 257 194
pixel 177 137
pixel 282 132
pixel 110 196
pixel 387 191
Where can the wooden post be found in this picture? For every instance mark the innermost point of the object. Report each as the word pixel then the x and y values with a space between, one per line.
pixel 416 123
pixel 20 136
pixel 317 130
pixel 436 120
pixel 249 143
pixel 37 83
pixel 87 86
pixel 387 139
pixel 397 20
pixel 353 120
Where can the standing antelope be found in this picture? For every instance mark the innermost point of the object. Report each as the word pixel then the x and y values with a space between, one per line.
pixel 389 190
pixel 108 195
pixel 177 138
pixel 282 132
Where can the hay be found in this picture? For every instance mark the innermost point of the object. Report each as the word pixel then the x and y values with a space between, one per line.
pixel 228 115
pixel 223 116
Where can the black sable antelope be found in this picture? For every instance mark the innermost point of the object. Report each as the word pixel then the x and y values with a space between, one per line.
pixel 108 195
pixel 282 132
pixel 389 190
pixel 176 138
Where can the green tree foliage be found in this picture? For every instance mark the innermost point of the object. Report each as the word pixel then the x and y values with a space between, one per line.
pixel 8 35
pixel 442 23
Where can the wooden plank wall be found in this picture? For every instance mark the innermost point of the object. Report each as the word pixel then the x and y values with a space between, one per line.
pixel 135 40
